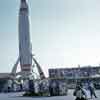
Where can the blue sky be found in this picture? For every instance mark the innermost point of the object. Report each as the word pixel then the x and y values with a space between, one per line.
pixel 64 33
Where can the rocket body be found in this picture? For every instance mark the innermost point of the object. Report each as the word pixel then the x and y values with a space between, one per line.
pixel 25 51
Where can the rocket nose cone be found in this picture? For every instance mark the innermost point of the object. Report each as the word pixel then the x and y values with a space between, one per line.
pixel 23 4
pixel 23 0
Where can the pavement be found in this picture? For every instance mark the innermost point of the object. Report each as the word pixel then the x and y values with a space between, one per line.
pixel 18 96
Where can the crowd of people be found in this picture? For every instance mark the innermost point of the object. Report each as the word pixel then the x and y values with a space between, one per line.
pixel 80 91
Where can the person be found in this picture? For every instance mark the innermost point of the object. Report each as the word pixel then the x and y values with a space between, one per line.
pixel 92 90
pixel 79 93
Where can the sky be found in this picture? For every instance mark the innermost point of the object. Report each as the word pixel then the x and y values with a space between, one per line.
pixel 64 33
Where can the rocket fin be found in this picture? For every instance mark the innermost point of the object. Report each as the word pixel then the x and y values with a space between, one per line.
pixel 42 76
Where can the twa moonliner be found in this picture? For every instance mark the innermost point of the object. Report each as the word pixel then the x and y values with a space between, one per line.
pixel 25 50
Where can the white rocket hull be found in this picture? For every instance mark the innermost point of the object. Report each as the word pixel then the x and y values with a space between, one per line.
pixel 24 39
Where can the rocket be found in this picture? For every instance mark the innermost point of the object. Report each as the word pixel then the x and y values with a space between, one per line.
pixel 25 52
pixel 25 48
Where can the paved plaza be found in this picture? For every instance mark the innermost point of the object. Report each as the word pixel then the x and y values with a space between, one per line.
pixel 18 96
